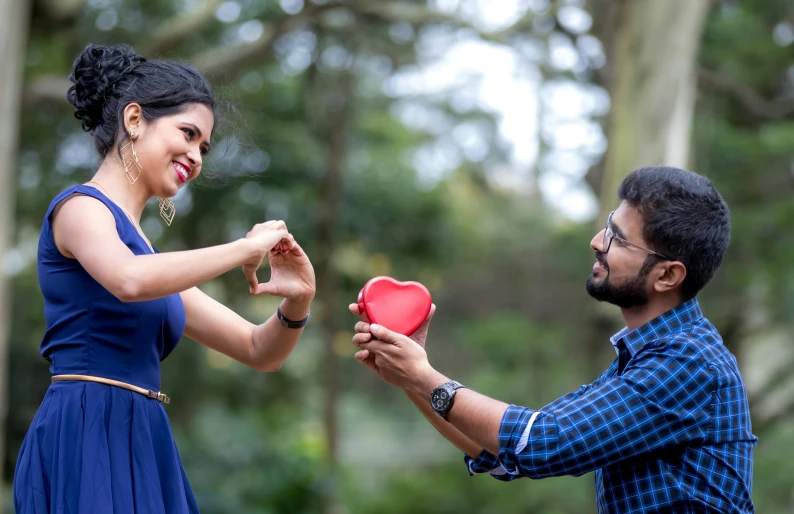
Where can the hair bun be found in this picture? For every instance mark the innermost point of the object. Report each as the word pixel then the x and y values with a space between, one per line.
pixel 94 74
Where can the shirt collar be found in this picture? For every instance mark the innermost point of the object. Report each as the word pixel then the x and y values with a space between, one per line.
pixel 670 322
pixel 615 339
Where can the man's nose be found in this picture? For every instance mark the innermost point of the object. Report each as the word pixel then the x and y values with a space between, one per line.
pixel 597 243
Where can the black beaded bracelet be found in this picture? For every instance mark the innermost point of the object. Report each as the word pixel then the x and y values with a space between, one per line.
pixel 289 323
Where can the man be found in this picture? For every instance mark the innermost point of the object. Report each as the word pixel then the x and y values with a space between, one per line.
pixel 667 427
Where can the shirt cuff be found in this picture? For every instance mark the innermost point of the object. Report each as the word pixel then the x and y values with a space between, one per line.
pixel 484 463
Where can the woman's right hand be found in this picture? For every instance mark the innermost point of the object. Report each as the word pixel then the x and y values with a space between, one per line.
pixel 264 238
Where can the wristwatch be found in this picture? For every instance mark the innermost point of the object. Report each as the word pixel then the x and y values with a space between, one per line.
pixel 289 323
pixel 443 396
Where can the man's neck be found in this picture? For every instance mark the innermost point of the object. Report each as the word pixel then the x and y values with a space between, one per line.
pixel 636 317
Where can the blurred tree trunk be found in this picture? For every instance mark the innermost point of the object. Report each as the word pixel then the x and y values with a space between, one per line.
pixel 652 49
pixel 13 40
pixel 335 92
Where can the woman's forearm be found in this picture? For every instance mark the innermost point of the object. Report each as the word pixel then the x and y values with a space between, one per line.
pixel 273 343
pixel 148 277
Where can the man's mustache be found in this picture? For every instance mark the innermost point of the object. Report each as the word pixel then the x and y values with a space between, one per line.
pixel 601 260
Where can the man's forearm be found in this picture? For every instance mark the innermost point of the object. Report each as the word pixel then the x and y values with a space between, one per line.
pixel 478 417
pixel 474 415
pixel 452 434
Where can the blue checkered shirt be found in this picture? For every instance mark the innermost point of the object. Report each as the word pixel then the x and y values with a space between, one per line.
pixel 666 428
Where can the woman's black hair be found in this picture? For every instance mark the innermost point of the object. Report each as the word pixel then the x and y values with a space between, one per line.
pixel 108 78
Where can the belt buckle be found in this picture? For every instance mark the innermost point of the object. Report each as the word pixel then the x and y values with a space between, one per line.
pixel 160 397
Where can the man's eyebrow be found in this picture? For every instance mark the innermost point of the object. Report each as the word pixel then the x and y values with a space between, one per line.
pixel 617 230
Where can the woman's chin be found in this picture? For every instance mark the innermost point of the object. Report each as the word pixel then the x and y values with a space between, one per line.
pixel 170 190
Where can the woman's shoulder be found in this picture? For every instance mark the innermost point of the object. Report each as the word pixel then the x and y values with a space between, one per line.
pixel 84 195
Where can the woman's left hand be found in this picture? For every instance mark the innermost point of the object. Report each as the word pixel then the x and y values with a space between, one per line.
pixel 291 273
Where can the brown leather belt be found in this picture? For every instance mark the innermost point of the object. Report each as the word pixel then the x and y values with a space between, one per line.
pixel 160 397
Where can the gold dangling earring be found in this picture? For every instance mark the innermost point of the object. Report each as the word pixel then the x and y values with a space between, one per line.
pixel 130 160
pixel 167 210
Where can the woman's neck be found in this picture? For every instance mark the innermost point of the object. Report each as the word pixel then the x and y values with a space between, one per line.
pixel 130 197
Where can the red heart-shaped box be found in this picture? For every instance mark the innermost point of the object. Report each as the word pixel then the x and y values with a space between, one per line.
pixel 399 306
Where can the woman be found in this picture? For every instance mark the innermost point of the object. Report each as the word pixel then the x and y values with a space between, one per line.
pixel 115 306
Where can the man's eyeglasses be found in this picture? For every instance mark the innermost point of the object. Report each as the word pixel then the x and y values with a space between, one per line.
pixel 609 235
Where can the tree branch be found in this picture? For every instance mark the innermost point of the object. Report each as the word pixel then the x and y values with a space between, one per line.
pixel 48 88
pixel 54 12
pixel 402 12
pixel 174 30
pixel 169 35
pixel 417 14
pixel 219 64
pixel 753 102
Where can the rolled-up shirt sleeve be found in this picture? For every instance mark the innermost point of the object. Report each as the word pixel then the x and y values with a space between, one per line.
pixel 513 419
pixel 660 400
pixel 485 462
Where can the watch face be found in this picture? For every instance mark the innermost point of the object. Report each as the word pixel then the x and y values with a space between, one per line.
pixel 440 399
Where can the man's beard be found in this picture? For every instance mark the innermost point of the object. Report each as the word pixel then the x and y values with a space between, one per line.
pixel 626 293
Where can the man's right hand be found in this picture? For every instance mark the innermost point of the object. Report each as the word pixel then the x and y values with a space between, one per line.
pixel 363 335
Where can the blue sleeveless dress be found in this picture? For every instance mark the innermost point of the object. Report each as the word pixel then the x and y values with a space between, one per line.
pixel 94 448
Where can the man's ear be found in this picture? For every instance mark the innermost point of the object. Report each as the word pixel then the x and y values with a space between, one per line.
pixel 668 276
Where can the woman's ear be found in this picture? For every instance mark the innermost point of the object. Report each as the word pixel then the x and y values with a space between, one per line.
pixel 133 120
